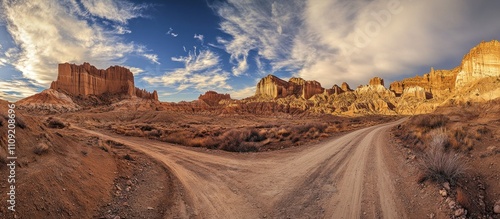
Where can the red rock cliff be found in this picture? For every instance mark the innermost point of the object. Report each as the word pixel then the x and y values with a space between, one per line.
pixel 88 80
pixel 212 97
pixel 275 87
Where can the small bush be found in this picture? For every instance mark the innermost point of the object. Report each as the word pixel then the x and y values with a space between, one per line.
pixel 41 148
pixel 55 123
pixel 146 128
pixel 439 165
pixel 431 121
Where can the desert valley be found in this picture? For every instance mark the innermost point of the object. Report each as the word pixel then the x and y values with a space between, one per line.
pixel 94 145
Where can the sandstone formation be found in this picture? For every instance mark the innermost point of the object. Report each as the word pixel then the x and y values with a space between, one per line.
pixel 213 98
pixel 415 92
pixel 88 80
pixel 376 81
pixel 482 61
pixel 345 87
pixel 274 87
pixel 435 83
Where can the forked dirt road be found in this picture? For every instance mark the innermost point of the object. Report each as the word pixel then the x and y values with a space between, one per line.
pixel 344 177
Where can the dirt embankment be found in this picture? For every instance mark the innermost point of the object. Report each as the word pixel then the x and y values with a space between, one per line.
pixel 65 174
pixel 470 153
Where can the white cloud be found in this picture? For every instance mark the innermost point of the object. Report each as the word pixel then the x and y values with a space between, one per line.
pixel 134 70
pixel 152 57
pixel 199 37
pixel 114 10
pixel 121 30
pixel 171 33
pixel 202 72
pixel 14 90
pixel 337 40
pixel 48 33
pixel 243 93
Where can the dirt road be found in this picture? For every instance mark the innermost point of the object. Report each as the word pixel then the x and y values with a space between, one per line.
pixel 345 177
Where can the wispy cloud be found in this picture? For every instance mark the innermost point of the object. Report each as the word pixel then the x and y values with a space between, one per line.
pixel 152 57
pixel 121 30
pixel 136 71
pixel 243 93
pixel 115 10
pixel 48 33
pixel 202 71
pixel 337 40
pixel 13 90
pixel 171 32
pixel 199 37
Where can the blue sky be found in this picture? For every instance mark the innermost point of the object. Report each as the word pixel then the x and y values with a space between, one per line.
pixel 183 48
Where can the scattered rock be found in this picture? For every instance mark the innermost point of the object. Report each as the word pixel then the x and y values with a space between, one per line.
pixel 443 192
pixel 459 212
pixel 452 204
pixel 446 185
pixel 150 208
pixel 496 208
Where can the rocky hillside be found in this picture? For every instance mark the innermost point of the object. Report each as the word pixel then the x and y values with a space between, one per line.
pixel 81 86
pixel 476 79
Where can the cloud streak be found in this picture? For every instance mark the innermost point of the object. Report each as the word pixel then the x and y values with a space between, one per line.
pixel 202 71
pixel 337 40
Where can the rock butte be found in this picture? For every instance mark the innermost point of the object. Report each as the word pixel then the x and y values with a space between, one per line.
pixel 213 98
pixel 88 80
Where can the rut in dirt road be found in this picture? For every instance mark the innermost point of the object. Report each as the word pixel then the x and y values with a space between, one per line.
pixel 345 177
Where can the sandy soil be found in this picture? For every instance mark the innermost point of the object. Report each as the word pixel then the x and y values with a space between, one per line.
pixel 345 177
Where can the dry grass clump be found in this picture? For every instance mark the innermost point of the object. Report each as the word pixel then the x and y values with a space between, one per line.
pixel 241 139
pixel 430 121
pixel 440 165
pixel 55 123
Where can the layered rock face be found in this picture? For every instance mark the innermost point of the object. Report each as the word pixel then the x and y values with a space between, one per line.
pixel 272 86
pixel 88 80
pixel 436 82
pixel 482 61
pixel 376 81
pixel 212 97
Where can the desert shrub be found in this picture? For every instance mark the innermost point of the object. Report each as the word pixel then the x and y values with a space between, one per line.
pixel 153 133
pixel 283 132
pixel 134 132
pixel 20 122
pixel 438 138
pixel 439 165
pixel 147 128
pixel 300 129
pixel 460 139
pixel 430 121
pixel 55 123
pixel 115 144
pixel 41 148
pixel 238 140
pixel 255 136
pixel 180 137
